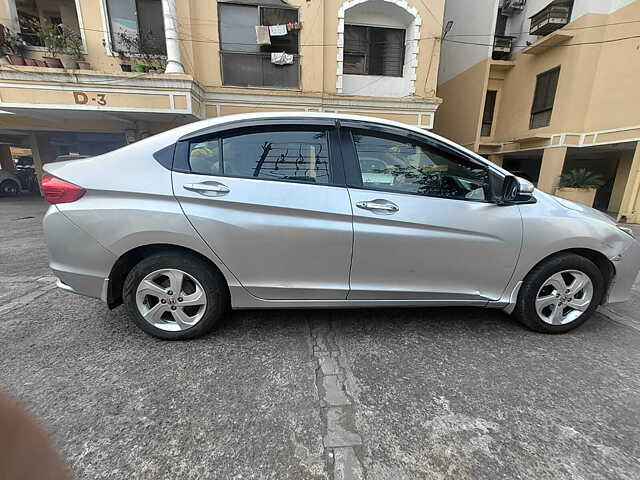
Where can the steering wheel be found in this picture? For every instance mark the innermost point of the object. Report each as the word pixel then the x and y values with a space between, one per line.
pixel 372 165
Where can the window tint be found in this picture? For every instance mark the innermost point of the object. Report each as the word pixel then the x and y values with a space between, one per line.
pixel 300 155
pixel 543 98
pixel 204 157
pixel 406 167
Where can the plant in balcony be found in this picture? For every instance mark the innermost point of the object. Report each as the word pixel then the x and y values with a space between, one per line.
pixel 580 186
pixel 140 46
pixel 52 38
pixel 73 56
pixel 12 46
pixel 130 47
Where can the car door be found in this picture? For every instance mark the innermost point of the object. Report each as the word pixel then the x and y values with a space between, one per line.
pixel 271 203
pixel 424 224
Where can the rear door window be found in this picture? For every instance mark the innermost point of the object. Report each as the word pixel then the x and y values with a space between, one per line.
pixel 286 155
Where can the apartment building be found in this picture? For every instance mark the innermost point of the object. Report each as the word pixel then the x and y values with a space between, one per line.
pixel 544 87
pixel 148 65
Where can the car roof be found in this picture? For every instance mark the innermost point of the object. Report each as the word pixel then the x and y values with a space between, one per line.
pixel 245 117
pixel 201 127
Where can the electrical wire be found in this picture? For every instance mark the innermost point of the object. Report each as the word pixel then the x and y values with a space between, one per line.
pixel 586 27
pixel 599 42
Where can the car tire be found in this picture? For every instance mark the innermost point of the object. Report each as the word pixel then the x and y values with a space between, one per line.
pixel 9 188
pixel 543 307
pixel 158 273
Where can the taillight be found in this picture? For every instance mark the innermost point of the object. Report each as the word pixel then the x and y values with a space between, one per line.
pixel 59 191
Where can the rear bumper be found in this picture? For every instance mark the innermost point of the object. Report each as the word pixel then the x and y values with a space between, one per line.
pixel 81 264
pixel 88 292
pixel 627 266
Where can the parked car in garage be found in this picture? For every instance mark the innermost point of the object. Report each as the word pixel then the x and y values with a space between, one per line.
pixel 26 173
pixel 305 210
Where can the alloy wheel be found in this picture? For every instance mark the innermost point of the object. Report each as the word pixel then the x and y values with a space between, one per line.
pixel 564 297
pixel 171 300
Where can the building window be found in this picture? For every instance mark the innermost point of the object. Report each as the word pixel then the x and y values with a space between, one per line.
pixel 137 26
pixel 31 12
pixel 543 98
pixel 245 63
pixel 487 116
pixel 373 51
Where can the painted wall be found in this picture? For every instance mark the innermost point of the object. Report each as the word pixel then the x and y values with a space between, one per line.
pixel 519 23
pixel 473 22
pixel 198 30
pixel 597 88
pixel 459 117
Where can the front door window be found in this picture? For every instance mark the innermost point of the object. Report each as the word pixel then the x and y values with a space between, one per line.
pixel 399 165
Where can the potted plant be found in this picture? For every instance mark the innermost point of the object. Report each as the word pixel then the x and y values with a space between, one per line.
pixel 130 46
pixel 580 186
pixel 52 38
pixel 73 50
pixel 141 46
pixel 12 46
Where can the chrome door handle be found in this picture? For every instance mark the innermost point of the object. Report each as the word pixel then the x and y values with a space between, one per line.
pixel 208 189
pixel 379 206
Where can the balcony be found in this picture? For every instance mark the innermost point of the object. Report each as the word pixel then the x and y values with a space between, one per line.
pixel 502 46
pixel 556 15
pixel 512 6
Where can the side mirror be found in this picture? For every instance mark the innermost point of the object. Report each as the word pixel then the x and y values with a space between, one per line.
pixel 516 190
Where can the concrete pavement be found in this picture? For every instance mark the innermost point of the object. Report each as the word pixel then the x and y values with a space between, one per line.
pixel 337 394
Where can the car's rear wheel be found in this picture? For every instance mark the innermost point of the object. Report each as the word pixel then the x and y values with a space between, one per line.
pixel 9 188
pixel 175 296
pixel 560 294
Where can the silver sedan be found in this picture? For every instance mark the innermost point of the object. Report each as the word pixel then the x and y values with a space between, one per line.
pixel 302 210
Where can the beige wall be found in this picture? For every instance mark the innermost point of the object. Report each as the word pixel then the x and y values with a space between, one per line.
pixel 597 89
pixel 459 116
pixel 197 25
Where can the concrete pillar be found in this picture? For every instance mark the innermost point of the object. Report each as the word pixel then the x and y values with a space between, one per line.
pixel 622 176
pixel 551 168
pixel 42 152
pixel 628 205
pixel 6 160
pixel 174 60
pixel 497 159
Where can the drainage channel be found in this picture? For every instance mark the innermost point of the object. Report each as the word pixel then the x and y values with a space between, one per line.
pixel 342 443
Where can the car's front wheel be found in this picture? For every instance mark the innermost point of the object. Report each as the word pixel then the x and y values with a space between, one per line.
pixel 175 296
pixel 560 294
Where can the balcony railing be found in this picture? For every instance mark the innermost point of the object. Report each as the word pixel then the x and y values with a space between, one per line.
pixel 502 46
pixel 510 6
pixel 550 19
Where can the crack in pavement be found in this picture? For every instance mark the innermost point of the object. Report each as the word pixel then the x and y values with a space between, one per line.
pixel 337 408
pixel 43 285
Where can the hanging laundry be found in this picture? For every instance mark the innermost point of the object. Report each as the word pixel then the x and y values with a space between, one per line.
pixel 281 58
pixel 262 35
pixel 278 30
pixel 291 26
